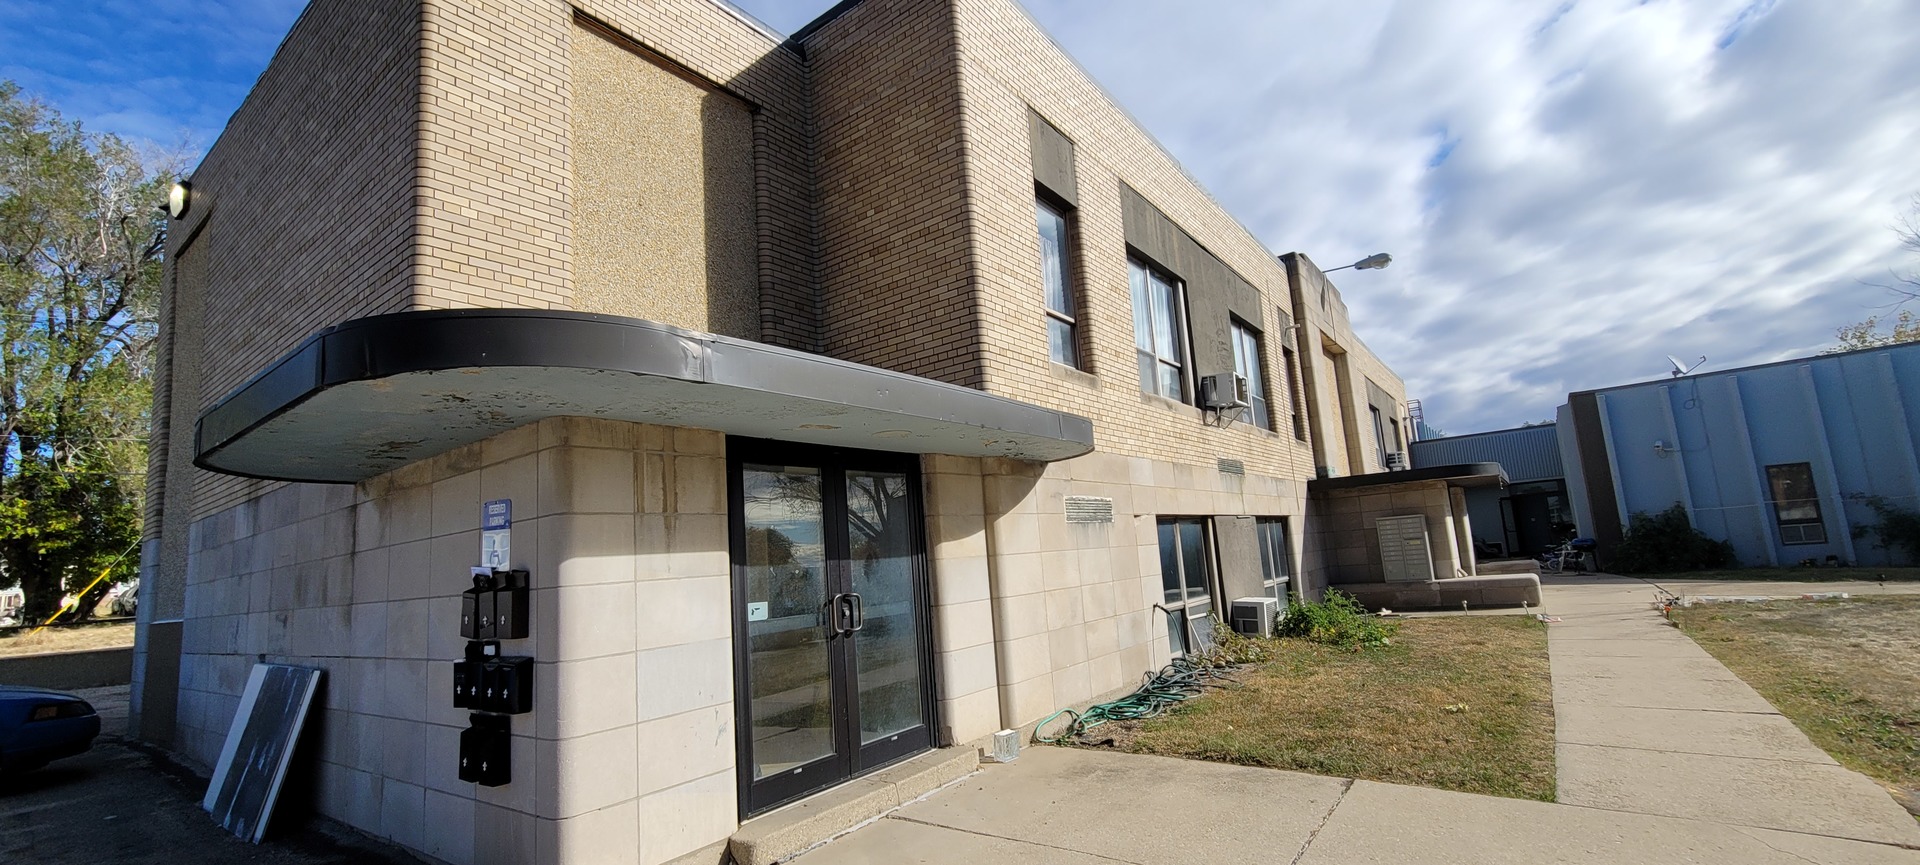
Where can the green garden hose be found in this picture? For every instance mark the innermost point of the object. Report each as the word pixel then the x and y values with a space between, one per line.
pixel 1182 680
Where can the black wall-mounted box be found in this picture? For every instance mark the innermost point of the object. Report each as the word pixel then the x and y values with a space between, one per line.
pixel 497 606
pixel 486 750
pixel 508 686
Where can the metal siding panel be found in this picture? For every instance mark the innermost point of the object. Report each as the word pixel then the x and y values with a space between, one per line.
pixel 1527 453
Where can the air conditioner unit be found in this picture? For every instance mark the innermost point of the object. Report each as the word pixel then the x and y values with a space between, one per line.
pixel 1254 617
pixel 1397 461
pixel 1224 390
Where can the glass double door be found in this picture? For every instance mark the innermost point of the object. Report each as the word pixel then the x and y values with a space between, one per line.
pixel 830 616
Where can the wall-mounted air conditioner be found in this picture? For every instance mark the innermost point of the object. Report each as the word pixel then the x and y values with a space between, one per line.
pixel 1254 617
pixel 1224 390
pixel 1396 461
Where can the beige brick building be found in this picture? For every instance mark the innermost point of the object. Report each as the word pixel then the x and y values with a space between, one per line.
pixel 857 394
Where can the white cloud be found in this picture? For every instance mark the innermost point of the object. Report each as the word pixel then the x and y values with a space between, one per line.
pixel 1572 189
pixel 1616 185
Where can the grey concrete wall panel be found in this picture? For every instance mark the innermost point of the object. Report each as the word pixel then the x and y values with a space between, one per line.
pixel 1527 454
pixel 1598 480
pixel 374 394
pixel 1576 478
pixel 1378 397
pixel 159 681
pixel 65 671
pixel 1215 293
pixel 1239 553
pixel 1052 158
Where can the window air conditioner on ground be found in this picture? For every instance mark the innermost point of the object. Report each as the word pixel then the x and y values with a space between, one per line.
pixel 1224 390
pixel 1254 617
pixel 1397 461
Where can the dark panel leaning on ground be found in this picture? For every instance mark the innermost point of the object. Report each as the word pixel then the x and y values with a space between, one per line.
pixel 1052 159
pixel 1591 440
pixel 1215 293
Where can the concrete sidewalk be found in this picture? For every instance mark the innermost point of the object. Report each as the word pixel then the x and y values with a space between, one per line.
pixel 1664 757
pixel 1077 807
pixel 1649 723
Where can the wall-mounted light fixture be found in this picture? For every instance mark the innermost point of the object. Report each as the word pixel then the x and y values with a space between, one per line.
pixel 178 198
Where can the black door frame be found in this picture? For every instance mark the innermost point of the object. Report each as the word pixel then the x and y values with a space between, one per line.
pixel 850 759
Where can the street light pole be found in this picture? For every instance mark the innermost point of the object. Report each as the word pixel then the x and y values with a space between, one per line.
pixel 1375 261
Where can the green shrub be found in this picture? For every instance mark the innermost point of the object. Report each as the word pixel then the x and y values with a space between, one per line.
pixel 1337 621
pixel 1666 542
pixel 1898 527
pixel 1232 647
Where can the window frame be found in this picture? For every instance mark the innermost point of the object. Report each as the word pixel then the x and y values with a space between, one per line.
pixel 1799 525
pixel 1069 317
pixel 1178 328
pixel 1276 557
pixel 1249 360
pixel 1191 605
pixel 1379 436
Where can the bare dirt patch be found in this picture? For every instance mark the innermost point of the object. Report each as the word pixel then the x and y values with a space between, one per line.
pixel 110 635
pixel 1847 673
pixel 1462 703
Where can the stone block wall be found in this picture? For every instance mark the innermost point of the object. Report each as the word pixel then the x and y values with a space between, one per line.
pixel 1342 529
pixel 628 754
pixel 1073 603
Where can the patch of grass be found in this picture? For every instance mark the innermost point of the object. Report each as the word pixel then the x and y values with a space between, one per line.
pixel 1795 575
pixel 1456 703
pixel 1846 672
pixel 72 639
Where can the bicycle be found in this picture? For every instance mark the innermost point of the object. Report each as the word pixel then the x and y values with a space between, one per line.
pixel 1571 553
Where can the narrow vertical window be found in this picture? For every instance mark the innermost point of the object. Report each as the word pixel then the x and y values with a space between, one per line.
pixel 1059 291
pixel 1379 438
pixel 1159 332
pixel 1275 572
pixel 1246 362
pixel 1186 573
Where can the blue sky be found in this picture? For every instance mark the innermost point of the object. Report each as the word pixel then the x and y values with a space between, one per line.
pixel 1571 189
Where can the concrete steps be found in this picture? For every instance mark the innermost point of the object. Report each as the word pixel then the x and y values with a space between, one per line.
pixel 786 832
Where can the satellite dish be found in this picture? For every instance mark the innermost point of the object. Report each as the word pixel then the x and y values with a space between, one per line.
pixel 1680 369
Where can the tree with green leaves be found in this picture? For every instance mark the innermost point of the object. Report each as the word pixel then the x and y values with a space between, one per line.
pixel 82 228
pixel 1905 287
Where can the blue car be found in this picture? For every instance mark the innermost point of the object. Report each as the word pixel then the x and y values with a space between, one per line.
pixel 38 725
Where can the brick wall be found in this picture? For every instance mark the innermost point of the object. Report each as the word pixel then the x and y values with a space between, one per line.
pixel 308 186
pixel 897 271
pixel 1008 65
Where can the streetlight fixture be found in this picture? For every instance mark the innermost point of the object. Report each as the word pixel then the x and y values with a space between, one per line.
pixel 1375 261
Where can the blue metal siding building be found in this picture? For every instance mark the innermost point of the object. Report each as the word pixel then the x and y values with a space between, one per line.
pixel 1529 514
pixel 1777 459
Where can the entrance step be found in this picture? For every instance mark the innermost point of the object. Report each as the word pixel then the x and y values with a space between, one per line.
pixel 787 831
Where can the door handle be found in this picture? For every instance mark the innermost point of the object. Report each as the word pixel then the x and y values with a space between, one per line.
pixel 858 606
pixel 833 620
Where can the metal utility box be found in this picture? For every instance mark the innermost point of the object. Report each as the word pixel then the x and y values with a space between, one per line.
pixel 1254 617
pixel 1404 554
pixel 496 607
